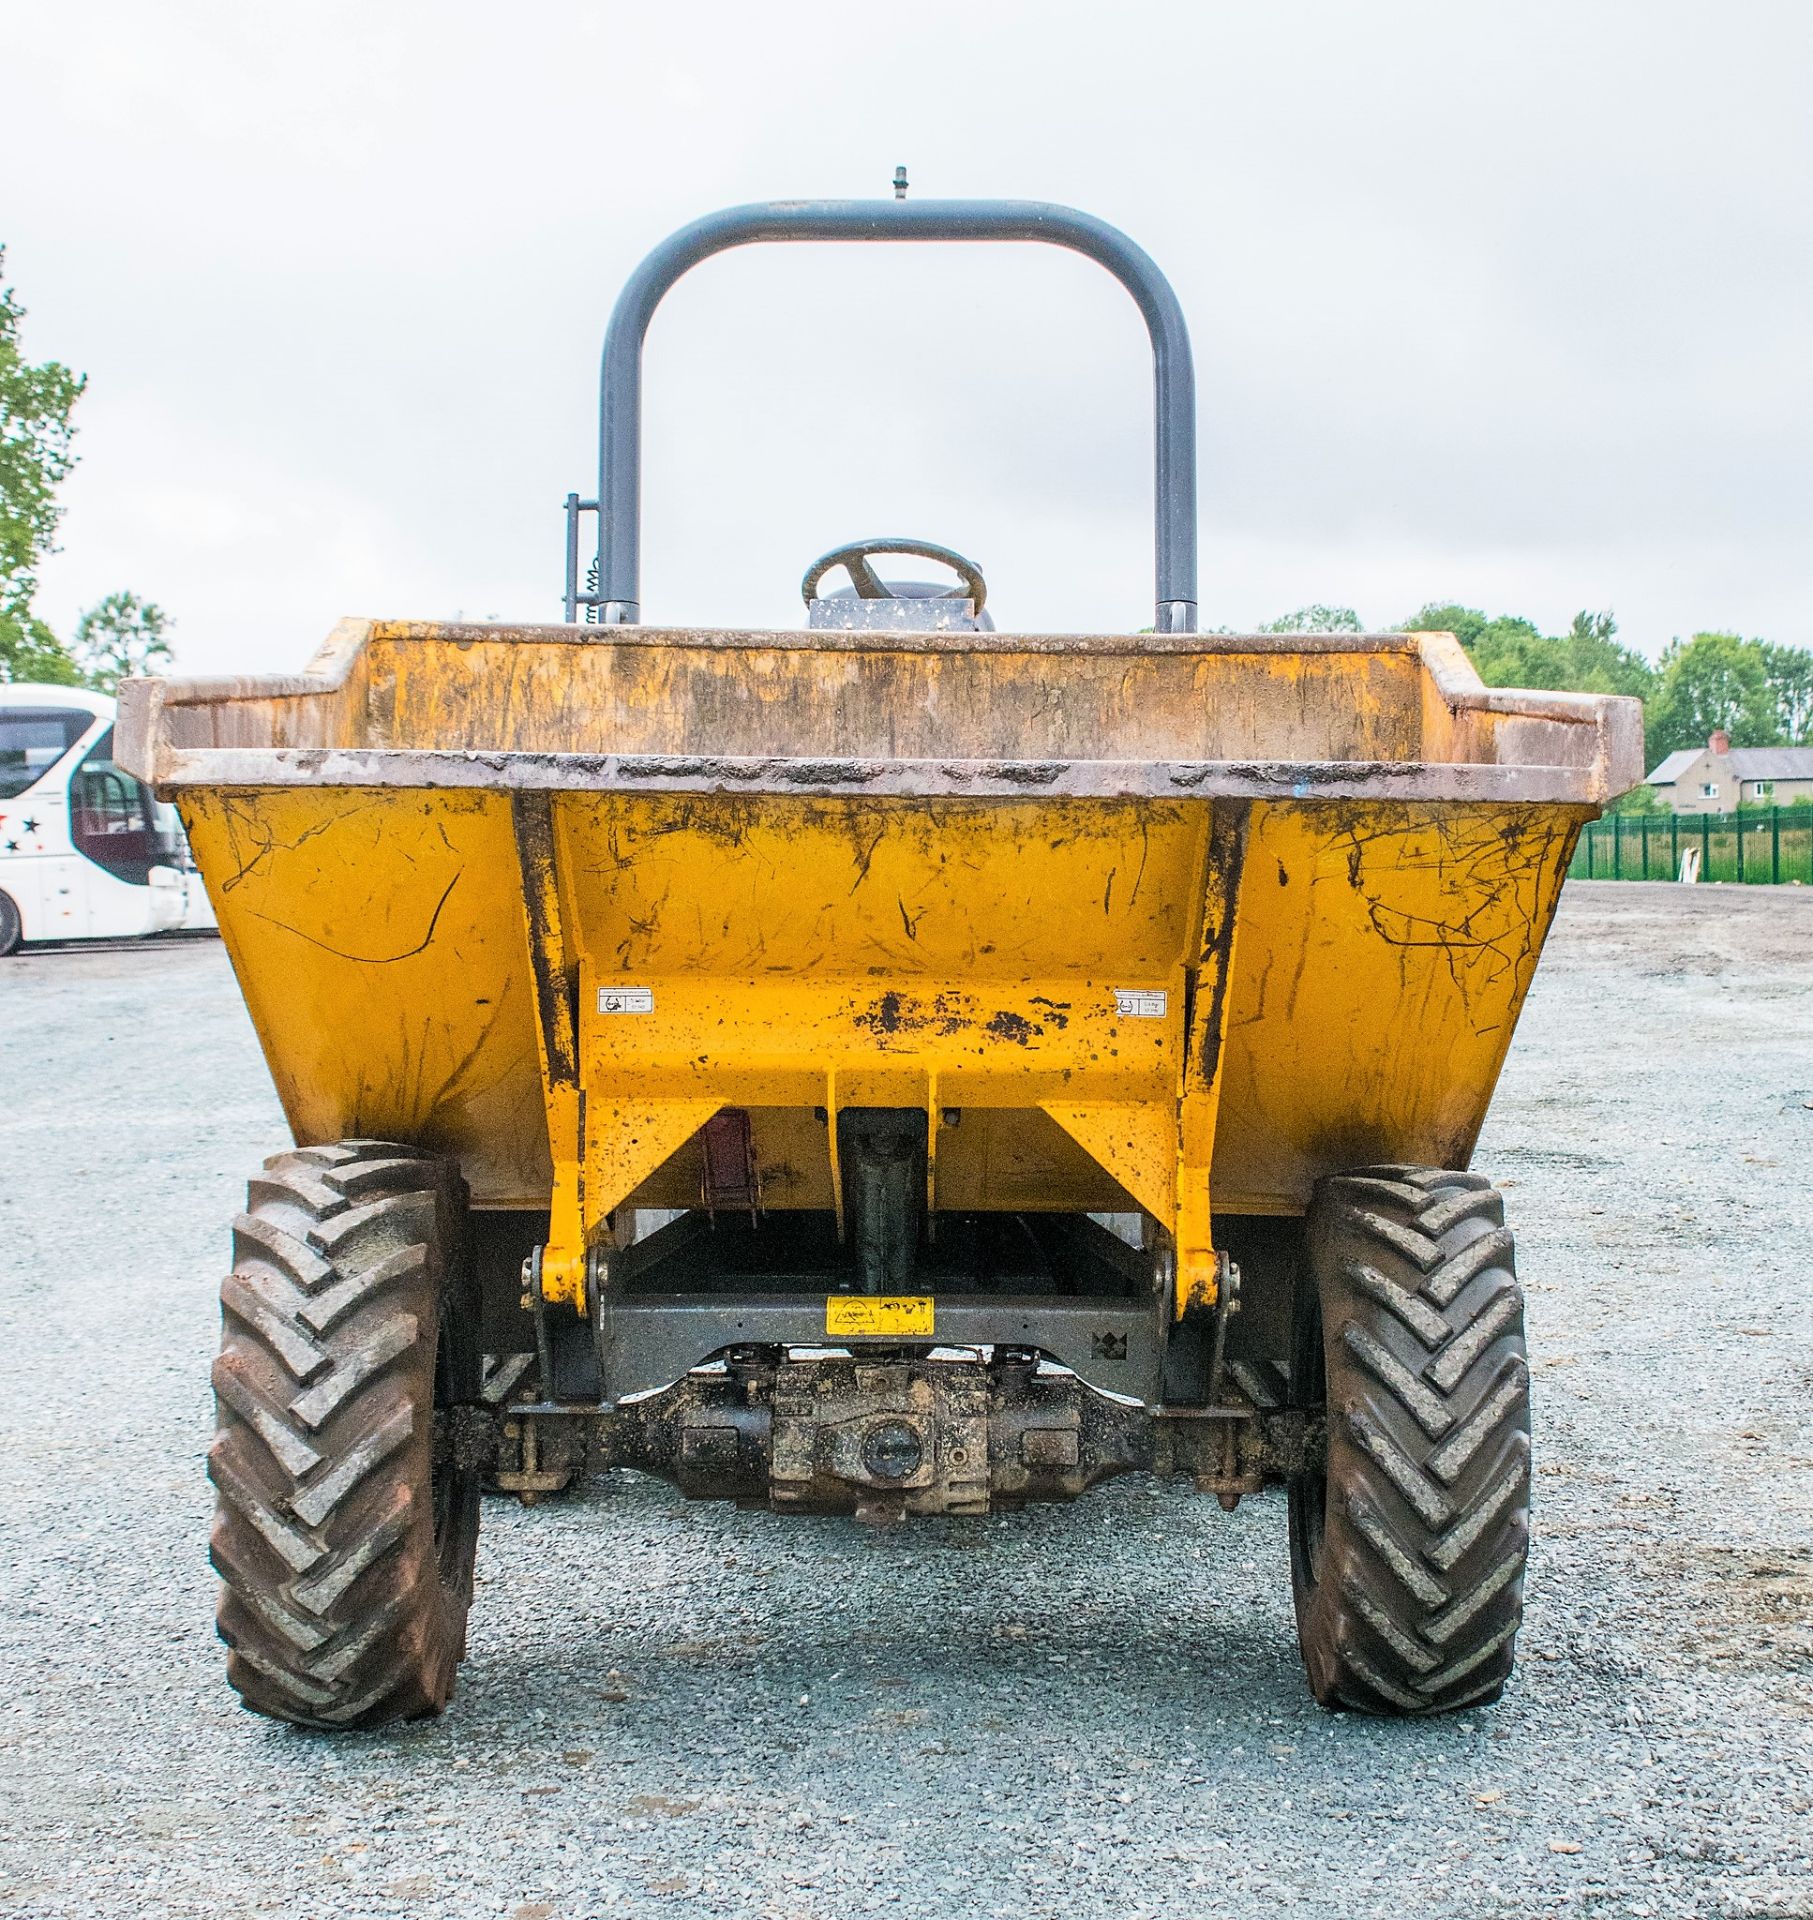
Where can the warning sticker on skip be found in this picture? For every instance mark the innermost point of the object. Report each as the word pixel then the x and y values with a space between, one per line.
pixel 868 1315
pixel 1141 1003
pixel 626 999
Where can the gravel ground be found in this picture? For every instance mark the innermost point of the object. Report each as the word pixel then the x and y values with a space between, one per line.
pixel 1086 1711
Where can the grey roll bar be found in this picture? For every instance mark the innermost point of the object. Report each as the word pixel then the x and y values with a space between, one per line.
pixel 620 425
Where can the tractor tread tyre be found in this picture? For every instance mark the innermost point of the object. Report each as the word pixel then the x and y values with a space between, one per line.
pixel 1408 1551
pixel 345 1553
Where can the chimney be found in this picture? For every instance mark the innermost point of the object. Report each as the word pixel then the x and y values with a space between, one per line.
pixel 1720 743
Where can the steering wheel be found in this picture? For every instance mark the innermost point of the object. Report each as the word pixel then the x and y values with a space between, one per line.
pixel 869 585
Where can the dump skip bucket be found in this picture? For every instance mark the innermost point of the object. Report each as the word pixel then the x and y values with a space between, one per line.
pixel 1172 921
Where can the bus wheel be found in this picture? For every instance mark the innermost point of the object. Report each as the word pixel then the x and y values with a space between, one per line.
pixel 12 930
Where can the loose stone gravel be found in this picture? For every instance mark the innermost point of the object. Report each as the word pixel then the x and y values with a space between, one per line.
pixel 1087 1711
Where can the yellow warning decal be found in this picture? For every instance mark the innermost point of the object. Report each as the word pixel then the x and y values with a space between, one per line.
pixel 864 1313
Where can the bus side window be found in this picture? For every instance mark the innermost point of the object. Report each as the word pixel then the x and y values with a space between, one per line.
pixel 110 816
pixel 32 741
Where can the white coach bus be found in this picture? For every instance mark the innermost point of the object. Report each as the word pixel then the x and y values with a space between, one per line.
pixel 85 852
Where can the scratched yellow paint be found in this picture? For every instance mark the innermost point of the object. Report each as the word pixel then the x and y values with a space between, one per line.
pixel 742 886
pixel 378 939
pixel 1317 984
pixel 800 956
pixel 544 690
pixel 1384 953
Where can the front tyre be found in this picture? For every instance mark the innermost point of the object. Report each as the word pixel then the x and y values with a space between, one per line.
pixel 1408 1550
pixel 345 1548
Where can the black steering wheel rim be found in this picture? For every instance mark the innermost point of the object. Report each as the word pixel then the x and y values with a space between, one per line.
pixel 854 558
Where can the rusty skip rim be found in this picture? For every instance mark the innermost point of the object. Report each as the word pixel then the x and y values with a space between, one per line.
pixel 510 770
pixel 1596 768
pixel 1441 654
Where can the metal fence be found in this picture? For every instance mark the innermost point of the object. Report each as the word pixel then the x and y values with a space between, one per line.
pixel 1765 846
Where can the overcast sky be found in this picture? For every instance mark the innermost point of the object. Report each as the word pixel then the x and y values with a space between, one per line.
pixel 1502 304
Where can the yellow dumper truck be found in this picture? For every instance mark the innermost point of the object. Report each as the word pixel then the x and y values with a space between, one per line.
pixel 896 1067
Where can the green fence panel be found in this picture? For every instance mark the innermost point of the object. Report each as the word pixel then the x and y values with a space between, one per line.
pixel 1761 846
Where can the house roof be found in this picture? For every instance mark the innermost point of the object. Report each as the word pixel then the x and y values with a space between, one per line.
pixel 1746 763
pixel 1772 763
pixel 1674 766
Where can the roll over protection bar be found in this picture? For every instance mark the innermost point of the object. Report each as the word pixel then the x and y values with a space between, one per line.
pixel 617 595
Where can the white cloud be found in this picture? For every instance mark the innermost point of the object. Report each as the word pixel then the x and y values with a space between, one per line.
pixel 1503 304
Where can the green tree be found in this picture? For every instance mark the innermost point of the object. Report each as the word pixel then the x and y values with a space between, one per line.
pixel 1510 651
pixel 1597 663
pixel 1640 799
pixel 1506 650
pixel 1789 671
pixel 1447 616
pixel 1316 619
pixel 1713 680
pixel 120 637
pixel 35 458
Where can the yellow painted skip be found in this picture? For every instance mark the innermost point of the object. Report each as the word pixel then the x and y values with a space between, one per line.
pixel 1257 911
